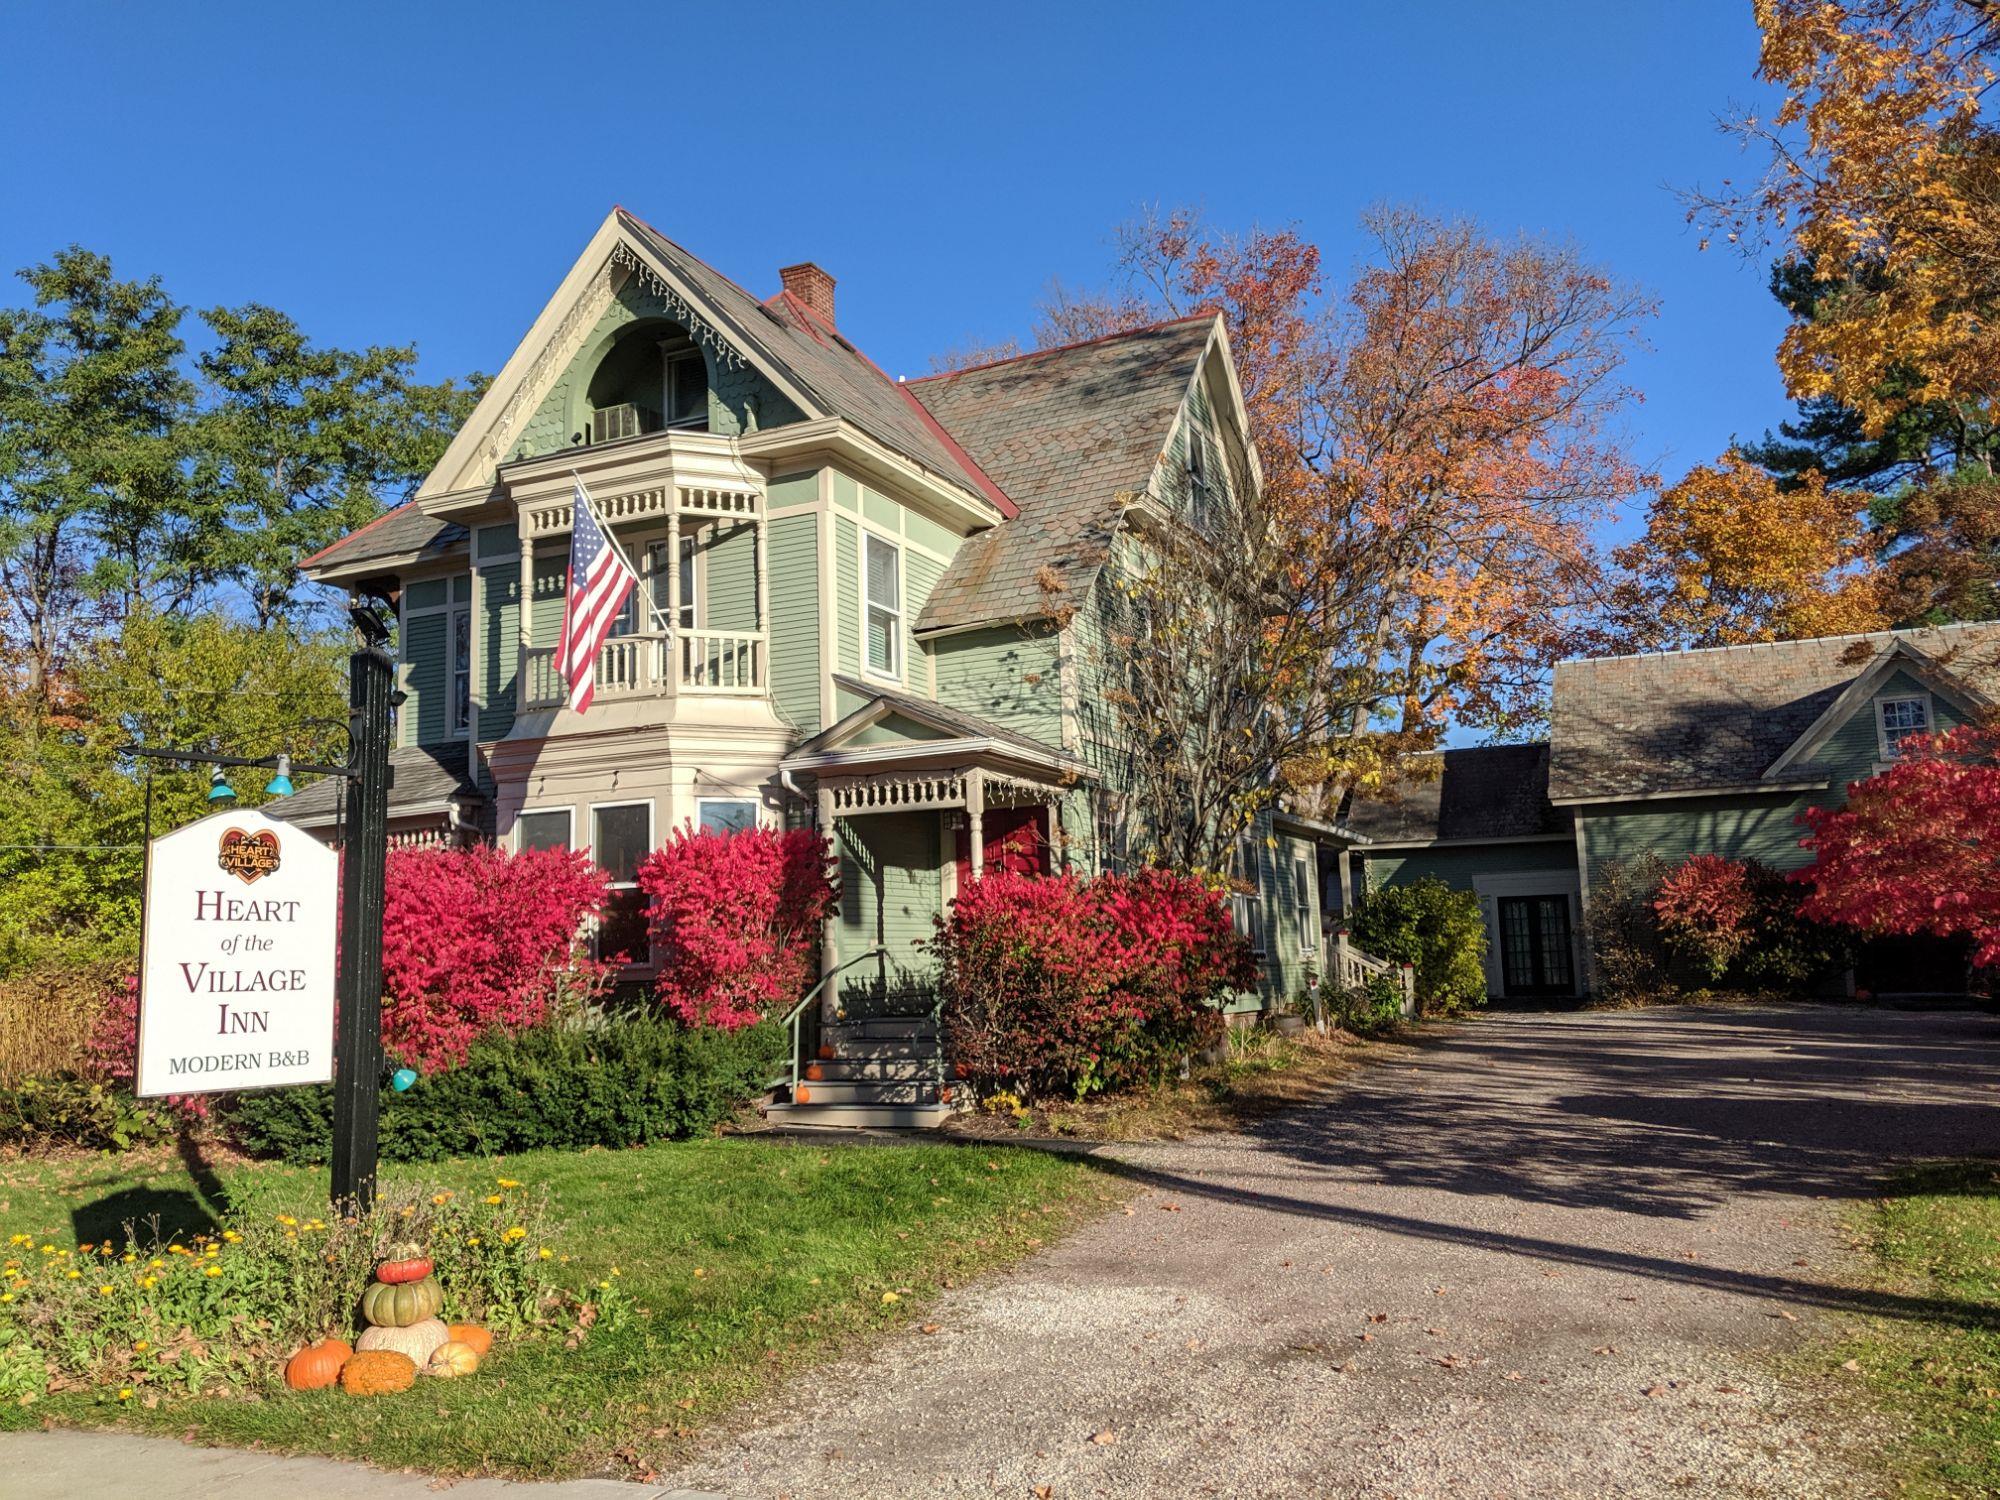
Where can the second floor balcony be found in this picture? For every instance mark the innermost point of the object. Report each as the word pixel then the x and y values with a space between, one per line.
pixel 690 518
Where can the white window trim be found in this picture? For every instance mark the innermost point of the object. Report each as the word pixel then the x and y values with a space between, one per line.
pixel 1255 927
pixel 897 644
pixel 569 815
pixel 1883 744
pixel 754 804
pixel 652 832
pixel 1306 904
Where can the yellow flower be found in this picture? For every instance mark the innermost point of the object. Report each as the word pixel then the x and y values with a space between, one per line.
pixel 6 1296
pixel 604 1286
pixel 889 1297
pixel 287 1219
pixel 48 1249
pixel 150 1282
pixel 211 1270
pixel 157 1265
pixel 231 1235
pixel 76 1275
pixel 128 1257
pixel 516 1233
pixel 699 1272
pixel 507 1182
pixel 142 1346
pixel 212 1250
pixel 545 1253
pixel 440 1197
pixel 472 1239
pixel 104 1291
pixel 616 1272
pixel 125 1393
pixel 494 1198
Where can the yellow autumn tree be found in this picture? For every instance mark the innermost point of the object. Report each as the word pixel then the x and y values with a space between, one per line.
pixel 1729 557
pixel 1882 177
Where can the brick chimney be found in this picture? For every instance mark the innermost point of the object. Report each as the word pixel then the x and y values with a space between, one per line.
pixel 810 285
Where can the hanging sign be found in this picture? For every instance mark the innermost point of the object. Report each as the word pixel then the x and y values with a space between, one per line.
pixel 237 966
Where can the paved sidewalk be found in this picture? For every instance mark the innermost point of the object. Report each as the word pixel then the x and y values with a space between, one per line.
pixel 69 1465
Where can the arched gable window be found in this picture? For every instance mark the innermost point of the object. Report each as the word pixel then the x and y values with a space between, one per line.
pixel 651 378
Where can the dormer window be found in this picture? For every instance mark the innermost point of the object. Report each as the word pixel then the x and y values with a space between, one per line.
pixel 1899 719
pixel 1201 492
pixel 652 378
pixel 686 395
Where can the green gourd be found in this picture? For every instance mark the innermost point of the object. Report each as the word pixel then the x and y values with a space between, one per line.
pixel 400 1305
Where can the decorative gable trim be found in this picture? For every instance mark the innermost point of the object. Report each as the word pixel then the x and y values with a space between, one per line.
pixel 556 337
pixel 1897 656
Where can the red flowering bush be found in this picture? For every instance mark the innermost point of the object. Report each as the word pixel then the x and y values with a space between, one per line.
pixel 1053 984
pixel 474 939
pixel 736 919
pixel 1914 850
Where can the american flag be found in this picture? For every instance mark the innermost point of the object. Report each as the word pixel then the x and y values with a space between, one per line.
pixel 600 580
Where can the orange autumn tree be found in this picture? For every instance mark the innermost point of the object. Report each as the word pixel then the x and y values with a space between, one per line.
pixel 1729 557
pixel 1883 178
pixel 1436 445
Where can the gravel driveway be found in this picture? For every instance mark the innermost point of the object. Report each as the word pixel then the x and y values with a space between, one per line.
pixel 1538 1255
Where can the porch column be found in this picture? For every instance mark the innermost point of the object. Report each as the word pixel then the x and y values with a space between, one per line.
pixel 525 626
pixel 829 949
pixel 975 817
pixel 674 645
pixel 760 658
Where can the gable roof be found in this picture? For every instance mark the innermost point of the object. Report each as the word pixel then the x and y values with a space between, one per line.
pixel 834 375
pixel 951 722
pixel 1692 721
pixel 1488 792
pixel 403 532
pixel 1065 432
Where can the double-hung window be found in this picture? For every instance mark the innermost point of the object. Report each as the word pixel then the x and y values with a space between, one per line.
pixel 1308 910
pixel 1247 906
pixel 621 838
pixel 547 829
pixel 687 391
pixel 882 605
pixel 461 670
pixel 1900 719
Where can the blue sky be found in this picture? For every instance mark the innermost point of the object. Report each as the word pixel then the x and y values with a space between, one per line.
pixel 427 172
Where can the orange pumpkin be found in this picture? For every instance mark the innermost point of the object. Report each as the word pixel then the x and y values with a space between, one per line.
pixel 802 1095
pixel 481 1339
pixel 316 1366
pixel 453 1359
pixel 374 1372
pixel 826 1051
pixel 405 1261
pixel 815 1072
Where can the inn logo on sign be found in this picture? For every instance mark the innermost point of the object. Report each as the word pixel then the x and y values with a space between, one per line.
pixel 248 856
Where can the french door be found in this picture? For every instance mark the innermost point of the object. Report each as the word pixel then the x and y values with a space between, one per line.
pixel 1535 951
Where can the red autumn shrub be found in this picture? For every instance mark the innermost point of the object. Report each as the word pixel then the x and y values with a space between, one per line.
pixel 1705 905
pixel 474 939
pixel 1913 851
pixel 736 921
pixel 112 1050
pixel 1053 984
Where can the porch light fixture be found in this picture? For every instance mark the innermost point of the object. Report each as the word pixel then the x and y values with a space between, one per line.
pixel 219 789
pixel 280 785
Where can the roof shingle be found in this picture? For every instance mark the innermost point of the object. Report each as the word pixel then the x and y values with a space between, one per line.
pixel 1486 792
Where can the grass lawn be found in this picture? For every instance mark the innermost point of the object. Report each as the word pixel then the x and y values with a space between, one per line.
pixel 1937 1236
pixel 748 1259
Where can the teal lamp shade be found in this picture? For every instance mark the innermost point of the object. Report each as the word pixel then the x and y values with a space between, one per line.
pixel 401 1079
pixel 219 789
pixel 280 785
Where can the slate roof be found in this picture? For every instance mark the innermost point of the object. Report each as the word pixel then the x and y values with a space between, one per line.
pixel 1684 721
pixel 1487 792
pixel 404 530
pixel 1064 432
pixel 836 375
pixel 425 776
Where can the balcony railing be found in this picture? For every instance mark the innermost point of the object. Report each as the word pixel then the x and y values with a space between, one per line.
pixel 640 666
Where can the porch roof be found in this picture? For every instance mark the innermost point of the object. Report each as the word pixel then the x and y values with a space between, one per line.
pixel 427 778
pixel 930 736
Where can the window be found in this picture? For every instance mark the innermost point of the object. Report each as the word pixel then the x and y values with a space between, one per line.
pixel 1302 895
pixel 1112 845
pixel 687 391
pixel 543 830
pixel 1535 945
pixel 1900 719
pixel 461 669
pixel 1201 495
pixel 718 815
pixel 882 605
pixel 623 836
pixel 1247 906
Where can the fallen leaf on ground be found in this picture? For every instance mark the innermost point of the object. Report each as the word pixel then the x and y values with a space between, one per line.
pixel 1513 1375
pixel 1852 1366
pixel 1104 1437
pixel 928 1328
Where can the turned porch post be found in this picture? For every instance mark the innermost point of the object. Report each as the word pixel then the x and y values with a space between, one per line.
pixel 676 647
pixel 829 942
pixel 524 626
pixel 975 819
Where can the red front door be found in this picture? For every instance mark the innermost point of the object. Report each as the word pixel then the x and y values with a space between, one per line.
pixel 1017 839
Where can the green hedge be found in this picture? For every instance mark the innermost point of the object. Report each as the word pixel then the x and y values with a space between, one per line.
pixel 618 1084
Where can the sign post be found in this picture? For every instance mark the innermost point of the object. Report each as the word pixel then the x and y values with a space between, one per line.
pixel 358 1047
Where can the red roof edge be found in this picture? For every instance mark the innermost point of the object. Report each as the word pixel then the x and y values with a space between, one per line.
pixel 332 547
pixel 1102 338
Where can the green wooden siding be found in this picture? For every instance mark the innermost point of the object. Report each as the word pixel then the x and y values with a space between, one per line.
pixel 891 889
pixel 426 640
pixel 1008 674
pixel 846 591
pixel 1457 866
pixel 920 576
pixel 500 627
pixel 545 615
pixel 795 620
pixel 730 553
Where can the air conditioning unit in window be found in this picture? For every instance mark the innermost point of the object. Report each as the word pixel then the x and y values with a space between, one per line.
pixel 627 419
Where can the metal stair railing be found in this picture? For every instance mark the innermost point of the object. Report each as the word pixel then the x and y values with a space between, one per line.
pixel 794 1018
